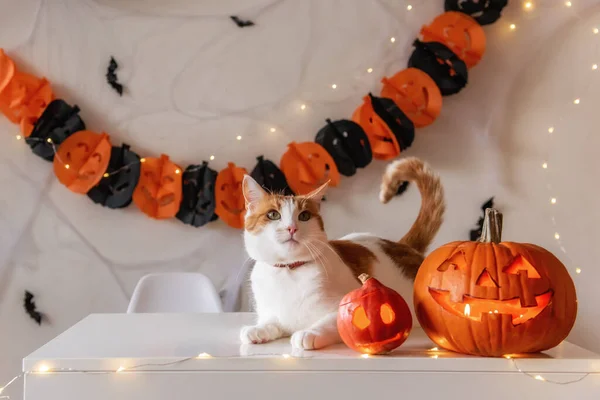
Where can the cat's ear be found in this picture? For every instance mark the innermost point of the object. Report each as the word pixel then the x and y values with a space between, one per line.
pixel 253 192
pixel 318 194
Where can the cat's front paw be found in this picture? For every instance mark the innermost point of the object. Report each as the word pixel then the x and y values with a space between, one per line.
pixel 305 340
pixel 260 333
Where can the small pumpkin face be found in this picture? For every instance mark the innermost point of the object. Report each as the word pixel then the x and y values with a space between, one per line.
pixel 416 94
pixel 373 319
pixel 389 130
pixel 81 160
pixel 492 298
pixel 116 190
pixel 308 166
pixel 158 192
pixel 270 177
pixel 461 33
pixel 198 203
pixel 231 206
pixel 348 145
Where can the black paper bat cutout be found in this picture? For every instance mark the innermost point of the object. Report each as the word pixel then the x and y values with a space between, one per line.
pixel 111 76
pixel 474 234
pixel 31 309
pixel 240 23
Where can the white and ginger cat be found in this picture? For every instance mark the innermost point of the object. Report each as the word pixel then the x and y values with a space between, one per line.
pixel 300 276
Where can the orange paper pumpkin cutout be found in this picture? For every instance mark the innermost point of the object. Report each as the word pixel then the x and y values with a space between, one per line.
pixel 416 94
pixel 81 160
pixel 307 166
pixel 384 144
pixel 460 32
pixel 22 96
pixel 158 192
pixel 231 205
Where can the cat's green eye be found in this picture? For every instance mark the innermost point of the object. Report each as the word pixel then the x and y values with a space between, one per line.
pixel 304 216
pixel 273 215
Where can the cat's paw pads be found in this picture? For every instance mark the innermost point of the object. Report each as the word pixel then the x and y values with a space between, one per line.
pixel 305 340
pixel 260 334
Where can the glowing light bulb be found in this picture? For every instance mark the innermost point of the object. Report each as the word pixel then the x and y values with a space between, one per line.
pixel 595 67
pixel 238 137
pixel 553 200
pixel 365 356
pixel 67 166
pixel 513 27
pixel 204 355
pixel 121 369
pixel 556 236
pixel 272 130
pixel 507 356
pixel 495 311
pixel 409 7
pixel 369 70
pixel 43 368
pixel 177 171
pixel 435 348
pixel 539 378
pixel 577 270
pixel 106 175
pixel 576 101
pixel 19 137
pixel 545 165
pixel 528 5
pixel 551 129
pixel 49 140
pixel 568 4
pixel 212 158
pixel 595 30
pixel 286 356
pixel 142 160
pixel 434 356
pixel 303 107
pixel 334 86
pixel 392 39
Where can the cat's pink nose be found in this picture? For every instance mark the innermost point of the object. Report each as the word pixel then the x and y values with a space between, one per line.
pixel 292 230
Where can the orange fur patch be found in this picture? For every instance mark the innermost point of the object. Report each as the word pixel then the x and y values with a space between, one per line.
pixel 357 257
pixel 407 259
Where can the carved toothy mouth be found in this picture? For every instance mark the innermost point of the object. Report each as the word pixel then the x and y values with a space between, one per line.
pixel 367 347
pixel 473 308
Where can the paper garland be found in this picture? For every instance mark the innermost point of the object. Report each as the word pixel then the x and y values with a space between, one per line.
pixel 382 127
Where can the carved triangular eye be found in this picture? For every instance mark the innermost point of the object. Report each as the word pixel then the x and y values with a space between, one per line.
pixel 486 280
pixel 456 261
pixel 521 264
pixel 360 319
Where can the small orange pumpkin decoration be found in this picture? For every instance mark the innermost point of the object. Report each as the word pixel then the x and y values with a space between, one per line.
pixel 373 319
pixel 22 96
pixel 81 160
pixel 231 205
pixel 307 166
pixel 460 32
pixel 158 192
pixel 491 298
pixel 416 94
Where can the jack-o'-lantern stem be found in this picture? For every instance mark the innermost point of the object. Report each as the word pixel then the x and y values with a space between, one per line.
pixel 491 231
pixel 363 278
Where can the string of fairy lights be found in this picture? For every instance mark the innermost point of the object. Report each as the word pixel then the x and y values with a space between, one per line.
pixel 433 353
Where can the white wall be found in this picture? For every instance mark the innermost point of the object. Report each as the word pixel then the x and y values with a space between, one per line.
pixel 195 81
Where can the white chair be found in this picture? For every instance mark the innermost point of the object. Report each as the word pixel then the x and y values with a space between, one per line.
pixel 178 292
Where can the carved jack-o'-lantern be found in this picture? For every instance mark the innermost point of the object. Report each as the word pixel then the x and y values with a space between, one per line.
pixel 492 298
pixel 373 319
pixel 416 94
pixel 231 206
pixel 158 192
pixel 461 33
pixel 81 160
pixel 308 166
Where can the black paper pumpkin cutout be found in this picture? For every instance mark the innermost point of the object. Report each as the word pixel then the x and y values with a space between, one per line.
pixel 348 145
pixel 116 190
pixel 439 62
pixel 270 177
pixel 58 121
pixel 198 189
pixel 483 11
pixel 402 127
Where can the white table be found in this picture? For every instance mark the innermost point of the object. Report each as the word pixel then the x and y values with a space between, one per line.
pixel 82 362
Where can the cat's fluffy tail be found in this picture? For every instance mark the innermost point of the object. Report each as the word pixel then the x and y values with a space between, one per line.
pixel 431 214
